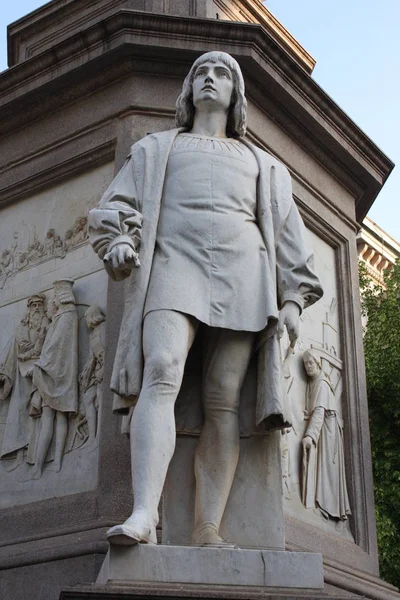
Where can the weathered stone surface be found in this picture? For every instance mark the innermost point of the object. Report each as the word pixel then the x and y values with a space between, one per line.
pixel 153 591
pixel 44 581
pixel 46 258
pixel 212 566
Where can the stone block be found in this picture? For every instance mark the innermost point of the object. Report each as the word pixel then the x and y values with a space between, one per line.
pixel 212 566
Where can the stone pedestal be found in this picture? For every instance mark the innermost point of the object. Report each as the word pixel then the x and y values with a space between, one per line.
pixel 211 566
pixel 145 591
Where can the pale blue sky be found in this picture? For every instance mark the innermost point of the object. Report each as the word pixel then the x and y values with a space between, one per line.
pixel 356 45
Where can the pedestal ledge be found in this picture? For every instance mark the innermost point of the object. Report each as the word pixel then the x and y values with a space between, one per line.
pixel 212 566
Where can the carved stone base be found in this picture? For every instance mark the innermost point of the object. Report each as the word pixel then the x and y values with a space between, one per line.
pixel 151 591
pixel 212 566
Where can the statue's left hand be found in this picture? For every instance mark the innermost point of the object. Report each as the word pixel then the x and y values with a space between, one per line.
pixel 289 317
pixel 307 442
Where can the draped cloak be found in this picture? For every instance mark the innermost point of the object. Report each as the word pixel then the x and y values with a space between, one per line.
pixel 129 212
pixel 19 388
pixel 55 374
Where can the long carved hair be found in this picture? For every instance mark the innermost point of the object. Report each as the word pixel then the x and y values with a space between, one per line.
pixel 237 116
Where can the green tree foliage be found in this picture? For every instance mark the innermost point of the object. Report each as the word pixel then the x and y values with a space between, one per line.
pixel 381 307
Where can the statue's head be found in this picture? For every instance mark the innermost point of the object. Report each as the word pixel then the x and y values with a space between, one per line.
pixel 63 292
pixel 311 363
pixel 94 316
pixel 237 115
pixel 35 309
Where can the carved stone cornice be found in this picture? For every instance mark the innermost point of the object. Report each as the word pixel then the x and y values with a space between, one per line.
pixel 38 30
pixel 377 250
pixel 130 40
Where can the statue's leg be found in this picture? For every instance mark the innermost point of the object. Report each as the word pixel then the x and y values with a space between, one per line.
pixel 61 438
pixel 167 338
pixel 227 357
pixel 45 437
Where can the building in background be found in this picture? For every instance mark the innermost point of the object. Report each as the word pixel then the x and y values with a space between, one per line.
pixel 377 250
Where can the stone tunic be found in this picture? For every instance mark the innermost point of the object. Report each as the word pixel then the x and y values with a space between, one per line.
pixel 210 259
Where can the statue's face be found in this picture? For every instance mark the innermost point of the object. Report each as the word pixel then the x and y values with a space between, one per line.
pixel 212 84
pixel 310 366
pixel 36 313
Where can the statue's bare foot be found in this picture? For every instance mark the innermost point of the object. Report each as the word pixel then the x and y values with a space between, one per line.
pixel 208 536
pixel 137 529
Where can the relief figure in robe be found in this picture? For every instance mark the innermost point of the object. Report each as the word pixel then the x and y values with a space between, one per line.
pixel 324 477
pixel 16 374
pixel 55 378
pixel 203 226
pixel 91 378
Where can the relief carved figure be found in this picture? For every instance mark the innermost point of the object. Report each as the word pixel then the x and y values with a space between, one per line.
pixel 324 478
pixel 6 266
pixel 53 245
pixel 223 250
pixel 55 377
pixel 16 258
pixel 91 378
pixel 16 374
pixel 79 232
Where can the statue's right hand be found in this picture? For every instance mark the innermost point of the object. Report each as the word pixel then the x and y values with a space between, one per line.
pixel 307 442
pixel 122 258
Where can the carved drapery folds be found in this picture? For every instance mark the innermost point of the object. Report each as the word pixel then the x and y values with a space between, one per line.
pixel 323 468
pixel 312 450
pixel 91 378
pixel 52 409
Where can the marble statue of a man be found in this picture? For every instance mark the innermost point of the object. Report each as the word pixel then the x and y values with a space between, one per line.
pixel 222 248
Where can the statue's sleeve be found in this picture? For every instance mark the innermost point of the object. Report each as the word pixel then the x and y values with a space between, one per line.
pixel 117 218
pixel 315 423
pixel 296 278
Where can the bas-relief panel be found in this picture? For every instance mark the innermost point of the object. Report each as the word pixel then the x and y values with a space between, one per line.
pixel 48 231
pixel 48 415
pixel 320 332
